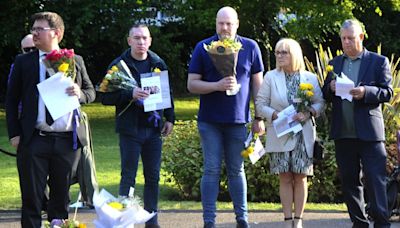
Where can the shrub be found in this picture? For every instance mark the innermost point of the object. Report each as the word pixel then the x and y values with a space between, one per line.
pixel 182 165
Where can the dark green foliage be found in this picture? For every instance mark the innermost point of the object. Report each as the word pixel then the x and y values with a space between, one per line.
pixel 183 161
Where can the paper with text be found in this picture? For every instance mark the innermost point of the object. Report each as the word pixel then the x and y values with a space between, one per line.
pixel 57 101
pixel 157 84
pixel 285 124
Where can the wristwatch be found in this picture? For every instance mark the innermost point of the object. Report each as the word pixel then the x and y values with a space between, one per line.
pixel 258 118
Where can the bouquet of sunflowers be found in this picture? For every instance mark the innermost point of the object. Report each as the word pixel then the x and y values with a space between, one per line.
pixel 224 54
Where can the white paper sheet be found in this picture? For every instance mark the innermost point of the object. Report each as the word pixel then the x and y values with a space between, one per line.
pixel 158 84
pixel 258 148
pixel 285 124
pixel 258 152
pixel 52 91
pixel 343 87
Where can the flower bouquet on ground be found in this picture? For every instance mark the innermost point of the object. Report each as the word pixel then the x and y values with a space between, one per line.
pixel 61 60
pixel 224 55
pixel 254 149
pixel 119 212
pixel 64 223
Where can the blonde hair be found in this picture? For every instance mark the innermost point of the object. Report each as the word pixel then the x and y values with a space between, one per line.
pixel 296 54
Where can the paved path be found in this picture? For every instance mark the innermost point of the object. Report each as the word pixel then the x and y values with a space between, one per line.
pixel 225 219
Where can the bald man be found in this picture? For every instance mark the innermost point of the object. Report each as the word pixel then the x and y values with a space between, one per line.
pixel 27 44
pixel 222 119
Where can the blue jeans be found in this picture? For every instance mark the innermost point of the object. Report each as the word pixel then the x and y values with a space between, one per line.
pixel 147 144
pixel 223 141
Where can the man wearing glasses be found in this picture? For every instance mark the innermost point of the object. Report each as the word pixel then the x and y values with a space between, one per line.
pixel 44 148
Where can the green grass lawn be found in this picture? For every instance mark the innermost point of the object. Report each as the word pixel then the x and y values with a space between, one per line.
pixel 108 164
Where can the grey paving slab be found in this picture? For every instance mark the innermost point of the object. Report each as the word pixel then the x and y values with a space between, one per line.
pixel 225 219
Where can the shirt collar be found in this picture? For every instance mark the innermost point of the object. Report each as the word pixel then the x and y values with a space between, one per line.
pixel 358 56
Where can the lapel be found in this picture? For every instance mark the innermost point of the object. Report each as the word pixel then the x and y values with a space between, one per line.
pixel 338 66
pixel 36 68
pixel 303 77
pixel 365 62
pixel 280 84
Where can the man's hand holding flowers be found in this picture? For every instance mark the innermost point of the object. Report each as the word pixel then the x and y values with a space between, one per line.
pixel 226 83
pixel 332 84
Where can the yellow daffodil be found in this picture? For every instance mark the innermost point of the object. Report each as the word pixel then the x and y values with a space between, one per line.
pixel 82 225
pixel 329 68
pixel 114 68
pixel 309 93
pixel 63 67
pixel 116 205
pixel 156 70
pixel 310 86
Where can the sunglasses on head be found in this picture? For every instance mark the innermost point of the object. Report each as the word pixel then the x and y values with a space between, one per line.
pixel 28 49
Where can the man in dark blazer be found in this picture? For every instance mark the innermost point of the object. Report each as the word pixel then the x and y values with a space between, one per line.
pixel 44 146
pixel 357 126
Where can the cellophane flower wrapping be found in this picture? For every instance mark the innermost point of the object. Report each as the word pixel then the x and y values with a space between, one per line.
pixel 224 55
pixel 117 78
pixel 108 216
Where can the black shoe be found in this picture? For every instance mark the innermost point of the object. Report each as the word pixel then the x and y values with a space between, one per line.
pixel 209 225
pixel 152 226
pixel 242 224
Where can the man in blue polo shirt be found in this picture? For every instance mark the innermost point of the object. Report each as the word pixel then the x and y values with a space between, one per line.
pixel 222 119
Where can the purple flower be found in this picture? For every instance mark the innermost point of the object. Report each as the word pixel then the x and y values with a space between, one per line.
pixel 56 222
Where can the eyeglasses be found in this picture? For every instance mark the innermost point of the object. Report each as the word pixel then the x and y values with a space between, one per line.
pixel 283 53
pixel 39 29
pixel 28 49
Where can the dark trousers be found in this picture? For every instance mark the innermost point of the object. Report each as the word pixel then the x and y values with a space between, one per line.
pixel 352 155
pixel 45 159
pixel 147 145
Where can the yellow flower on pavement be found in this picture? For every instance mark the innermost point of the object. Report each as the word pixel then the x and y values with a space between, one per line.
pixel 63 67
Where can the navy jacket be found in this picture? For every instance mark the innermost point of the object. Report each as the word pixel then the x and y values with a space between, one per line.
pixel 376 77
pixel 127 122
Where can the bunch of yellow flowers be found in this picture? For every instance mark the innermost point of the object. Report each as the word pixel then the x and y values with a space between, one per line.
pixel 304 95
pixel 250 149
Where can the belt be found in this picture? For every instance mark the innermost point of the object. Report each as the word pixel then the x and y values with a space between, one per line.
pixel 54 134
